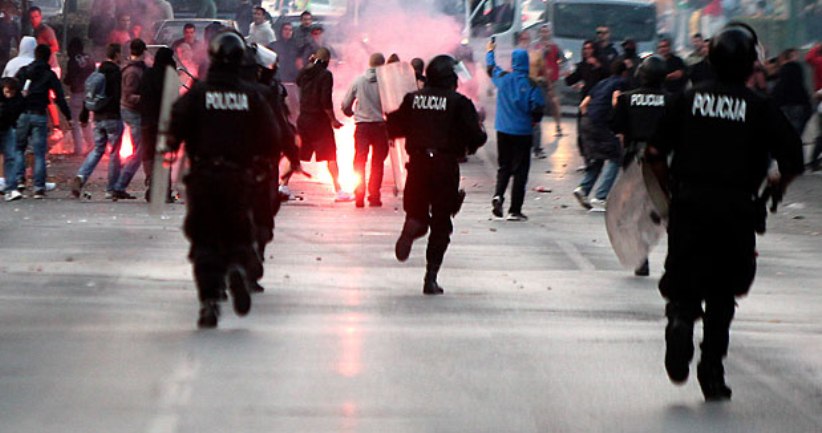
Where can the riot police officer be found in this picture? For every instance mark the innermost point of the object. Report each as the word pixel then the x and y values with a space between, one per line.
pixel 722 136
pixel 226 125
pixel 432 195
pixel 637 114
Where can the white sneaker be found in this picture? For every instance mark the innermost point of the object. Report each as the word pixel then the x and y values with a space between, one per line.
pixel 283 189
pixel 51 186
pixel 343 196
pixel 14 195
pixel 579 194
pixel 598 205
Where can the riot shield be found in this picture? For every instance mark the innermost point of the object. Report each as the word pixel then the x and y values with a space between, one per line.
pixel 634 223
pixel 160 172
pixel 396 80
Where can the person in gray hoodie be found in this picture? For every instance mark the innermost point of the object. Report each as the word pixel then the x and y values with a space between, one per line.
pixel 370 131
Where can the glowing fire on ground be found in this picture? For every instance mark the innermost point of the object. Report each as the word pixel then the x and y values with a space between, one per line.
pixel 126 146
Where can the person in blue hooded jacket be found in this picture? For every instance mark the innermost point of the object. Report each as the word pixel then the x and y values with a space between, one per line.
pixel 519 106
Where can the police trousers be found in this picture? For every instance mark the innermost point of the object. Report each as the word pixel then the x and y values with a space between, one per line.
pixel 711 260
pixel 219 226
pixel 431 197
pixel 265 203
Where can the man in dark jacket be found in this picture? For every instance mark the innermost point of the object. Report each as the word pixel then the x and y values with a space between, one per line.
pixel 108 126
pixel 723 136
pixel 317 121
pixel 602 147
pixel 226 126
pixel 11 105
pixel 32 124
pixel 432 195
pixel 289 54
pixel 789 92
pixel 130 101
pixel 520 104
pixel 80 66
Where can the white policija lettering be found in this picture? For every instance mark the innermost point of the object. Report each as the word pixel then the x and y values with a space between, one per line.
pixel 422 102
pixel 719 107
pixel 226 101
pixel 651 100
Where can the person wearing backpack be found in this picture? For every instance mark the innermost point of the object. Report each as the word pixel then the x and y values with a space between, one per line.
pixel 80 66
pixel 103 99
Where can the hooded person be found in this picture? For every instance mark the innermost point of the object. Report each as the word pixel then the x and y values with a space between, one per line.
pixel 370 133
pixel 25 55
pixel 520 104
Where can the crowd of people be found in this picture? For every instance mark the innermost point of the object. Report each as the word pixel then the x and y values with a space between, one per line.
pixel 233 117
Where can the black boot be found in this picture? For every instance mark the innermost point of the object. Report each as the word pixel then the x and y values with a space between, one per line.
pixel 209 314
pixel 430 286
pixel 239 285
pixel 411 230
pixel 679 345
pixel 711 376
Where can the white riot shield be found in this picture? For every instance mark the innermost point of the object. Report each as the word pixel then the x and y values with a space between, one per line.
pixel 396 80
pixel 634 223
pixel 160 172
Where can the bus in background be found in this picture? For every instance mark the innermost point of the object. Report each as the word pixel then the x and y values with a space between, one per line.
pixel 574 21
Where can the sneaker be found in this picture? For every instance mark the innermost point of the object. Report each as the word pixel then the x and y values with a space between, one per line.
pixel 51 186
pixel 39 194
pixel 343 196
pixel 679 348
pixel 238 284
pixel 109 195
pixel 516 217
pixel 643 270
pixel 209 314
pixel 711 377
pixel 374 202
pixel 559 132
pixel 540 154
pixel 359 202
pixel 14 195
pixel 122 195
pixel 582 198
pixel 598 205
pixel 76 186
pixel 496 206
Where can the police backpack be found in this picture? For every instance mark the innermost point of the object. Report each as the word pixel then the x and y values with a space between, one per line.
pixel 95 98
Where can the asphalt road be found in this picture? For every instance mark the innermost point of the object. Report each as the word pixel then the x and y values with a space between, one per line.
pixel 540 330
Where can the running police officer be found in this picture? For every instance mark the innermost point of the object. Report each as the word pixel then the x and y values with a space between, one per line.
pixel 722 136
pixel 637 114
pixel 226 124
pixel 258 69
pixel 432 195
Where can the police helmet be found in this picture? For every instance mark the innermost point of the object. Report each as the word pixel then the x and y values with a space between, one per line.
pixel 226 48
pixel 440 72
pixel 733 52
pixel 651 72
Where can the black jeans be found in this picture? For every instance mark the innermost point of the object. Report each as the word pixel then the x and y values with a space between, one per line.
pixel 514 159
pixel 371 135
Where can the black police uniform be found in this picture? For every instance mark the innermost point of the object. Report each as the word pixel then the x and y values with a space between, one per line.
pixel 440 126
pixel 226 125
pixel 722 136
pixel 636 116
